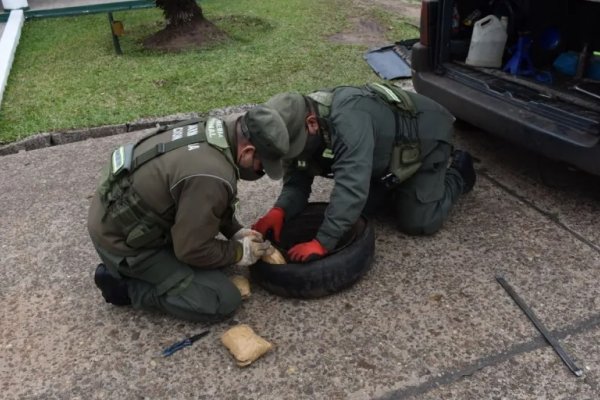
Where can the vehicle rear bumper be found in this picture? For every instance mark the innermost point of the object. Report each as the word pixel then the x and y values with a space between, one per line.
pixel 509 121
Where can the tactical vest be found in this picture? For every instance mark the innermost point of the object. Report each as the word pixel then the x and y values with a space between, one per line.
pixel 406 153
pixel 141 226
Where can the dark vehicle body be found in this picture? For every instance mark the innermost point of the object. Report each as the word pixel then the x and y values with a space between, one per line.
pixel 558 117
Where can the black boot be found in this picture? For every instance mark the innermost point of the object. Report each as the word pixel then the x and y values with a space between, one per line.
pixel 114 290
pixel 463 163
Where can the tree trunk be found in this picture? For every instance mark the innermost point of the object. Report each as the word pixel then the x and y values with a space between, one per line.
pixel 186 28
pixel 180 12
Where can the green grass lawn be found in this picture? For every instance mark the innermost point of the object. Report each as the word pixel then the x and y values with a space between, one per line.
pixel 67 75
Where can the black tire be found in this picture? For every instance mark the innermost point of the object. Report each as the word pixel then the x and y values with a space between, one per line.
pixel 336 271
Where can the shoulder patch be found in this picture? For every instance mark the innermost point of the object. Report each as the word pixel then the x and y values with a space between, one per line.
pixel 215 133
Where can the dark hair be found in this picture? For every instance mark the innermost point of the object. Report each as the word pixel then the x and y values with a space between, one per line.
pixel 244 127
pixel 310 105
pixel 241 137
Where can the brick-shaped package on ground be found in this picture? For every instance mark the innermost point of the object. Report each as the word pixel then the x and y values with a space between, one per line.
pixel 245 345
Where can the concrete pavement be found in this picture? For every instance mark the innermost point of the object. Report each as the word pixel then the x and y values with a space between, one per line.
pixel 429 321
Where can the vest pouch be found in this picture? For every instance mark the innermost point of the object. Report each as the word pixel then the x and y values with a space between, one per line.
pixel 105 182
pixel 120 162
pixel 143 235
pixel 139 224
pixel 405 161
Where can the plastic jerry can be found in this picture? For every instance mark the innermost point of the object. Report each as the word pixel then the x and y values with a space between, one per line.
pixel 487 43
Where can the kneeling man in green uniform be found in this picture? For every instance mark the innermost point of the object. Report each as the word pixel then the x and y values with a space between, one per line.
pixel 386 149
pixel 156 216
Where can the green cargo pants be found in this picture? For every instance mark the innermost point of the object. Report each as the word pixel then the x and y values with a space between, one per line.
pixel 157 280
pixel 422 203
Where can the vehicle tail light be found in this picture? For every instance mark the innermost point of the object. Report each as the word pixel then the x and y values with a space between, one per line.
pixel 427 22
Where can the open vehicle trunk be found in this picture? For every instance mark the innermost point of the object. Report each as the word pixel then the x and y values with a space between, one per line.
pixel 552 108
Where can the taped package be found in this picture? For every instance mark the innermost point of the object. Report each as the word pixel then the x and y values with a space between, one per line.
pixel 245 345
pixel 275 257
pixel 242 284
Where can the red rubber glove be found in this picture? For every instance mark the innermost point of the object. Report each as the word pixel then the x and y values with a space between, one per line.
pixel 303 251
pixel 271 221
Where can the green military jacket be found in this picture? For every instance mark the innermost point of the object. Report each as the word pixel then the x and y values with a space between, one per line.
pixel 194 189
pixel 363 132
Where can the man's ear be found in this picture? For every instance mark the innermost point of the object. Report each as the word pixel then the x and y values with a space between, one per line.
pixel 247 150
pixel 312 124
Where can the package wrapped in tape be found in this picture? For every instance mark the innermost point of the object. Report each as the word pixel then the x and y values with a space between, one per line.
pixel 245 345
pixel 275 256
pixel 242 284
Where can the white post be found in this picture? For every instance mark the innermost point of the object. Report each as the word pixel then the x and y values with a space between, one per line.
pixel 14 4
pixel 8 45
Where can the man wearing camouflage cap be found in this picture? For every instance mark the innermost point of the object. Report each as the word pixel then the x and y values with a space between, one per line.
pixel 161 203
pixel 384 147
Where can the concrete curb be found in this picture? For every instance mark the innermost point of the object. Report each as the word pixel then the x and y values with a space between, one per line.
pixel 48 139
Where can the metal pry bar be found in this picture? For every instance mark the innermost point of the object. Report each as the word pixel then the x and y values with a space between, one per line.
pixel 540 327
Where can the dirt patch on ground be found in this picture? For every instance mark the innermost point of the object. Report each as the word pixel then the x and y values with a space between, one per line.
pixel 369 32
pixel 365 31
pixel 197 34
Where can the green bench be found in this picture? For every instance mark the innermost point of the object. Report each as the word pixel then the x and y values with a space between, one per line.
pixel 116 27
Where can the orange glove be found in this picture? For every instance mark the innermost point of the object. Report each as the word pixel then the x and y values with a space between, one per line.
pixel 271 221
pixel 303 251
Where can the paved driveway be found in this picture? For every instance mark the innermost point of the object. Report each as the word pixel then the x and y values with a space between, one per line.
pixel 429 321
